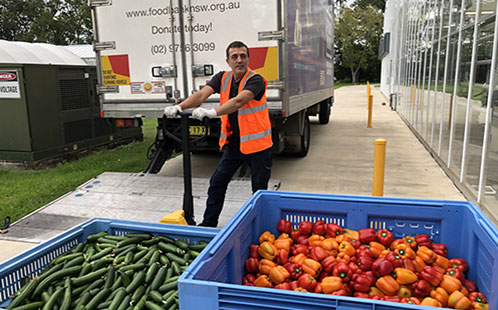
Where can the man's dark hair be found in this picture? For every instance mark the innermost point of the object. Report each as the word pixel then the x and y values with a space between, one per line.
pixel 236 44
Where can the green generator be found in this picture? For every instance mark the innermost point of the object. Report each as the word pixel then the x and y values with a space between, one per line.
pixel 49 110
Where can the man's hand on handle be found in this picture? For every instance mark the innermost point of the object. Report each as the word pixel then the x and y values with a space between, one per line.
pixel 200 113
pixel 172 110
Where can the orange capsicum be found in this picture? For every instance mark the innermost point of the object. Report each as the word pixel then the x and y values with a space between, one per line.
pixel 343 257
pixel 347 248
pixel 479 306
pixel 376 248
pixel 440 295
pixel 267 236
pixel 298 259
pixel 411 242
pixel 315 240
pixel 419 263
pixel 404 292
pixel 311 267
pixel 284 236
pixel 442 262
pixel 431 302
pixel 396 242
pixel 267 250
pixel 387 285
pixel 331 284
pixel 351 234
pixel 262 281
pixel 428 255
pixel 374 291
pixel 450 284
pixel 330 244
pixel 283 244
pixel 458 301
pixel 265 265
pixel 404 251
pixel 405 276
pixel 278 274
pixel 341 238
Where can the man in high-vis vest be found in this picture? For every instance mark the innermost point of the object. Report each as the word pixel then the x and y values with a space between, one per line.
pixel 245 126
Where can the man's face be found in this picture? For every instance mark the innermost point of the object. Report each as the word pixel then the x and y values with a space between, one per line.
pixel 238 60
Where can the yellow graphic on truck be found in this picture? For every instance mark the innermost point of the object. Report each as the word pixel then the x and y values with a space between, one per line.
pixel 115 70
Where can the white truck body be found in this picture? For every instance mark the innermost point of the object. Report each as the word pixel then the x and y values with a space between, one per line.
pixel 155 53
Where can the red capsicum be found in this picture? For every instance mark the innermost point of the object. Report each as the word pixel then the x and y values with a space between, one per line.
pixel 364 250
pixel 385 237
pixel 305 227
pixel 253 251
pixel 381 267
pixel 470 285
pixel 282 257
pixel 431 275
pixel 307 282
pixel 439 249
pixel 423 240
pixel 284 226
pixel 298 249
pixel 318 253
pixel 248 279
pixel 252 265
pixel 360 283
pixel 295 234
pixel 342 271
pixel 294 270
pixel 410 301
pixel 456 273
pixel 328 264
pixel 395 260
pixel 421 288
pixel 477 297
pixel 367 235
pixel 392 298
pixel 355 243
pixel 283 286
pixel 333 230
pixel 364 263
pixel 319 228
pixel 409 264
pixel 459 263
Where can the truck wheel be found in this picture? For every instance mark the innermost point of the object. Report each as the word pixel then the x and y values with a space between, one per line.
pixel 305 138
pixel 324 114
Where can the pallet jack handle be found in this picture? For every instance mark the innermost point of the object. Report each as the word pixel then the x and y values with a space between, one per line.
pixel 188 200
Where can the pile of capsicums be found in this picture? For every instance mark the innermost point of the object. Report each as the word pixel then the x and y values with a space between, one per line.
pixel 325 258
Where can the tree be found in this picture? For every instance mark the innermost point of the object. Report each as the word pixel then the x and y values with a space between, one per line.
pixel 50 21
pixel 357 34
pixel 379 4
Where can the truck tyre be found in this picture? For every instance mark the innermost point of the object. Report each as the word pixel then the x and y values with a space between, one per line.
pixel 305 138
pixel 324 114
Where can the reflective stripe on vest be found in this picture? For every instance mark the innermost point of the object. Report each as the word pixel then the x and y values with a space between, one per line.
pixel 226 82
pixel 223 136
pixel 255 136
pixel 259 108
pixel 247 78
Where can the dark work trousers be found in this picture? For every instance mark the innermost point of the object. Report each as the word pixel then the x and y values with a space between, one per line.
pixel 260 164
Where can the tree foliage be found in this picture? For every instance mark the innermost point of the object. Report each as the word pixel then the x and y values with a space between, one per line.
pixel 379 4
pixel 357 34
pixel 58 22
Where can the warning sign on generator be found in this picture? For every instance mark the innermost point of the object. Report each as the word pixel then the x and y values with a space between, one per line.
pixel 9 84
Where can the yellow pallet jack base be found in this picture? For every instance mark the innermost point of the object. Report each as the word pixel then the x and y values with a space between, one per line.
pixel 176 217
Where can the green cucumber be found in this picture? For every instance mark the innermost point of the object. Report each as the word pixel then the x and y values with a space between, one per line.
pixel 95 301
pixel 158 280
pixel 152 306
pixel 116 301
pixel 101 254
pixel 169 248
pixel 137 280
pixel 55 276
pixel 151 272
pixel 156 296
pixel 182 245
pixel 111 274
pixel 173 285
pixel 26 291
pixel 197 247
pixel 93 238
pixel 49 305
pixel 31 306
pixel 92 276
pixel 176 268
pixel 125 303
pixel 176 258
pixel 137 295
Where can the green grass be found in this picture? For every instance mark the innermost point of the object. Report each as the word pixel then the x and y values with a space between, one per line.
pixel 24 191
pixel 339 85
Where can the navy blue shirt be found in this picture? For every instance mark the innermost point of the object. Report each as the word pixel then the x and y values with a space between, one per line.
pixel 255 84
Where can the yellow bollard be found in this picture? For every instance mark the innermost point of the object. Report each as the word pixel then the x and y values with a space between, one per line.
pixel 379 163
pixel 369 92
pixel 370 108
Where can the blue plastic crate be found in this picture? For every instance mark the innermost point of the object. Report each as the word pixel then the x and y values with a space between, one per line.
pixel 33 261
pixel 213 281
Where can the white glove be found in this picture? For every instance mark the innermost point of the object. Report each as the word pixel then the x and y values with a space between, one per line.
pixel 200 113
pixel 171 111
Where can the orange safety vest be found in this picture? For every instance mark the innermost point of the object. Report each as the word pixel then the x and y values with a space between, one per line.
pixel 253 117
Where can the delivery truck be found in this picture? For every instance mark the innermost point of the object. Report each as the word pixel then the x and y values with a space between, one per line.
pixel 155 53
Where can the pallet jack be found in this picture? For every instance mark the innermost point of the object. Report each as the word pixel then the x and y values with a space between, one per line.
pixel 186 215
